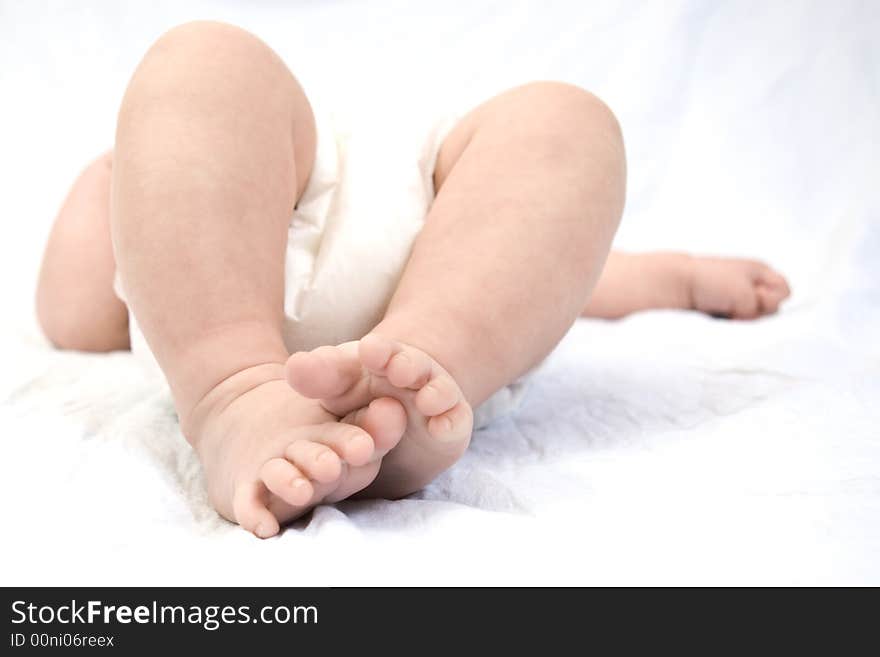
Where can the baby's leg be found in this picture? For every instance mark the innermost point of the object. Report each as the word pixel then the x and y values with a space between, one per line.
pixel 76 305
pixel 530 192
pixel 726 287
pixel 214 145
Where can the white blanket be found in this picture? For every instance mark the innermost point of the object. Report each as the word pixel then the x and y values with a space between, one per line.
pixel 665 448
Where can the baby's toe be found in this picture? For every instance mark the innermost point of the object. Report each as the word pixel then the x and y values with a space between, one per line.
pixel 453 426
pixel 318 462
pixel 402 365
pixel 356 480
pixel 437 396
pixel 375 351
pixel 286 481
pixel 352 444
pixel 408 368
pixel 324 372
pixel 384 419
pixel 744 301
pixel 250 511
pixel 769 299
pixel 769 277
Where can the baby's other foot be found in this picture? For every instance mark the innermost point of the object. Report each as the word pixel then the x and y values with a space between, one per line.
pixel 735 288
pixel 270 455
pixel 348 377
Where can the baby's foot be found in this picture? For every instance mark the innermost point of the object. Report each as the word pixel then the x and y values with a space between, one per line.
pixel 270 455
pixel 350 376
pixel 735 288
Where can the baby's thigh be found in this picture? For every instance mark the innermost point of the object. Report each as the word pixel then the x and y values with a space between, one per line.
pixel 76 305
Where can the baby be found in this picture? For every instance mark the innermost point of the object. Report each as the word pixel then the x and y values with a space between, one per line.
pixel 221 234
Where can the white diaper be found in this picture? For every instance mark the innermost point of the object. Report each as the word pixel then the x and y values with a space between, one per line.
pixel 352 231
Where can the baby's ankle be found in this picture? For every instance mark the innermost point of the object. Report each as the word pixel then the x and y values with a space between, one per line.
pixel 194 418
pixel 201 369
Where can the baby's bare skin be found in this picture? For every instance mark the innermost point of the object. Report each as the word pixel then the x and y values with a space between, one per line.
pixel 530 189
pixel 725 287
pixel 270 454
pixel 439 419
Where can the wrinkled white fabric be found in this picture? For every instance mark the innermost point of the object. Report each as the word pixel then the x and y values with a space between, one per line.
pixel 668 448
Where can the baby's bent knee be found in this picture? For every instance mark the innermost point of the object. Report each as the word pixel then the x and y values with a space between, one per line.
pixel 211 38
pixel 207 58
pixel 560 120
pixel 548 98
pixel 212 73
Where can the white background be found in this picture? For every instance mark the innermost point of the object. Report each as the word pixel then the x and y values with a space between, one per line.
pixel 665 448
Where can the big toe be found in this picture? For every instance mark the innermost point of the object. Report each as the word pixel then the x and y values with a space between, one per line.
pixel 384 419
pixel 324 372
